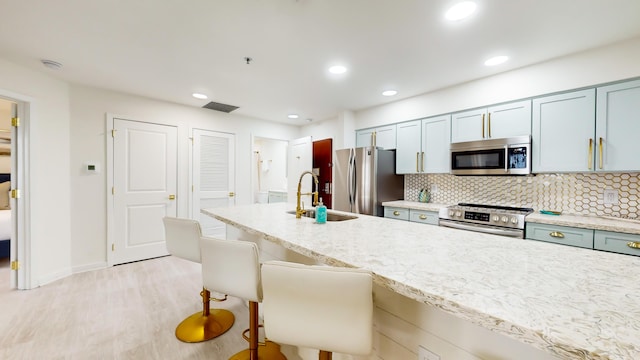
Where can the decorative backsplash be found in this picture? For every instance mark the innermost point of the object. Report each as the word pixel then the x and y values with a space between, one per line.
pixel 570 193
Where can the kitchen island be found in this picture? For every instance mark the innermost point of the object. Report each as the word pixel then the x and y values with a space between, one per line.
pixel 568 302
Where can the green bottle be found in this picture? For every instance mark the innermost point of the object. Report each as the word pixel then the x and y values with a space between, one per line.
pixel 321 213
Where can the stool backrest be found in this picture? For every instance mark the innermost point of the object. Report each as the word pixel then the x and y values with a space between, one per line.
pixel 183 238
pixel 231 267
pixel 320 307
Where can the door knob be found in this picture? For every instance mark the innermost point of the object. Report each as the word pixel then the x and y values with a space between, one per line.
pixel 172 197
pixel 231 194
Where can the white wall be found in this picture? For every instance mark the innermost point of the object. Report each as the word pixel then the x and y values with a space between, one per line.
pixel 89 107
pixel 606 64
pixel 49 190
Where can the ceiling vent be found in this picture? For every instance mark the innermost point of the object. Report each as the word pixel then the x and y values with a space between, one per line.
pixel 220 107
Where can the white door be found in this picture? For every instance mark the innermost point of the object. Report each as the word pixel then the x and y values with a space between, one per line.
pixel 213 177
pixel 299 160
pixel 144 188
pixel 15 252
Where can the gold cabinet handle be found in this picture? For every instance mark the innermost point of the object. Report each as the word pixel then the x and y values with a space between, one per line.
pixel 396 213
pixel 633 245
pixel 600 152
pixel 422 163
pixel 556 234
pixel 423 217
pixel 489 124
pixel 417 162
pixel 590 154
pixel 172 197
pixel 232 194
pixel 483 126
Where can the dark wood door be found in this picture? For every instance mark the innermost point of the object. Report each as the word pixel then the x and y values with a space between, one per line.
pixel 322 161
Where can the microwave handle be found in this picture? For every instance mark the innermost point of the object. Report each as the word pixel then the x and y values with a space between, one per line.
pixel 506 158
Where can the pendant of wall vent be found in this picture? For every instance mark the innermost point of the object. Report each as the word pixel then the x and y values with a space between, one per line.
pixel 220 107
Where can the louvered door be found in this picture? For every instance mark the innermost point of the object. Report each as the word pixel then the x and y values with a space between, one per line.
pixel 213 177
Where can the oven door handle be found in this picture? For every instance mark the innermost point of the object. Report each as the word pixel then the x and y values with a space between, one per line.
pixel 479 228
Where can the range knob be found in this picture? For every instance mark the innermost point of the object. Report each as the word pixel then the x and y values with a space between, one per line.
pixel 514 220
pixel 505 219
pixel 452 213
pixel 495 218
pixel 458 213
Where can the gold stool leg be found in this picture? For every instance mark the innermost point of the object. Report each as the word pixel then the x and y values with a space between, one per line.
pixel 205 325
pixel 325 355
pixel 267 351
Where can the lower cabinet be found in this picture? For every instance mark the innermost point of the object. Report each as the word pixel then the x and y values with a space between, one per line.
pixel 396 213
pixel 617 242
pixel 564 235
pixel 621 243
pixel 421 216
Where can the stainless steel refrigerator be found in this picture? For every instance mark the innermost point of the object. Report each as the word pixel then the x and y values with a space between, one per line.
pixel 364 178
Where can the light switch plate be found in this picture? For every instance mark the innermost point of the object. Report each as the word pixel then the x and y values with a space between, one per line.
pixel 610 197
pixel 424 354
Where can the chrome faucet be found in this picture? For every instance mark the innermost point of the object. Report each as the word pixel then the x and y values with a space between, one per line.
pixel 300 210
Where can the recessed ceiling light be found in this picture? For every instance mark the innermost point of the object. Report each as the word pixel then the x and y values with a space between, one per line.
pixel 199 96
pixel 293 116
pixel 54 65
pixel 496 60
pixel 461 10
pixel 389 92
pixel 338 69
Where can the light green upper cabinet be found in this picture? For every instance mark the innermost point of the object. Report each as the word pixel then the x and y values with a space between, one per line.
pixel 617 141
pixel 384 137
pixel 495 122
pixel 423 146
pixel 562 132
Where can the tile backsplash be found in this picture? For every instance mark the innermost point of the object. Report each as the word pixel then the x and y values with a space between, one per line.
pixel 580 193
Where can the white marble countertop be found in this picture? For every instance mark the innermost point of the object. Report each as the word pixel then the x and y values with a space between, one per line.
pixel 588 222
pixel 575 303
pixel 581 221
pixel 414 205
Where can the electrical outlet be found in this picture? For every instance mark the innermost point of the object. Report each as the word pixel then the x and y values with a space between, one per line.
pixel 610 197
pixel 424 354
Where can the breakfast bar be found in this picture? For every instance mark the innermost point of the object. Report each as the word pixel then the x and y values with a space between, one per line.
pixel 567 302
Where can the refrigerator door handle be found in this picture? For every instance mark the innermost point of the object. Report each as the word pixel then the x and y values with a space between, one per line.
pixel 352 179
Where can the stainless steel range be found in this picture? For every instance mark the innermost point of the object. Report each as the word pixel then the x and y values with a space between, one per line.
pixel 492 219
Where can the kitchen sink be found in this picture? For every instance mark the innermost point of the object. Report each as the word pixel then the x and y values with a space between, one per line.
pixel 331 216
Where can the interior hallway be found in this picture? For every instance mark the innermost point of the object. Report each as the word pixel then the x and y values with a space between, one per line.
pixel 123 312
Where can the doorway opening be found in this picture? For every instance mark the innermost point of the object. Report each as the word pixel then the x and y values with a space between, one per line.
pixel 269 170
pixel 322 167
pixel 7 112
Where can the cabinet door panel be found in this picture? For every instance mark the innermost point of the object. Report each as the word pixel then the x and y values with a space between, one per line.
pixel 364 137
pixel 562 127
pixel 617 127
pixel 468 125
pixel 408 151
pixel 385 137
pixel 435 144
pixel 508 120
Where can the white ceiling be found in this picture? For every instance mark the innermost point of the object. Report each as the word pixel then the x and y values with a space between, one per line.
pixel 168 49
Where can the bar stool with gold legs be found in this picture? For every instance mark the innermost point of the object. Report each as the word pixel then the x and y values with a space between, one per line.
pixel 183 241
pixel 233 266
pixel 319 307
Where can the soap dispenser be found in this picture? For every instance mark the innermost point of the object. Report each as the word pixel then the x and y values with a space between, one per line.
pixel 321 213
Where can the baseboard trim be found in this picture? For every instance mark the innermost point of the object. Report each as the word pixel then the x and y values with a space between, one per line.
pixel 49 278
pixel 89 267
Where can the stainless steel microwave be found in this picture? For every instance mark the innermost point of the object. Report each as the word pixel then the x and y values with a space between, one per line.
pixel 507 156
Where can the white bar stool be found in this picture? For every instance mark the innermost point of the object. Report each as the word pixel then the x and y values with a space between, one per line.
pixel 183 241
pixel 320 307
pixel 233 266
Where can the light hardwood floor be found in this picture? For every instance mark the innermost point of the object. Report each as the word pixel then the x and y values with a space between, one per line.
pixel 123 312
